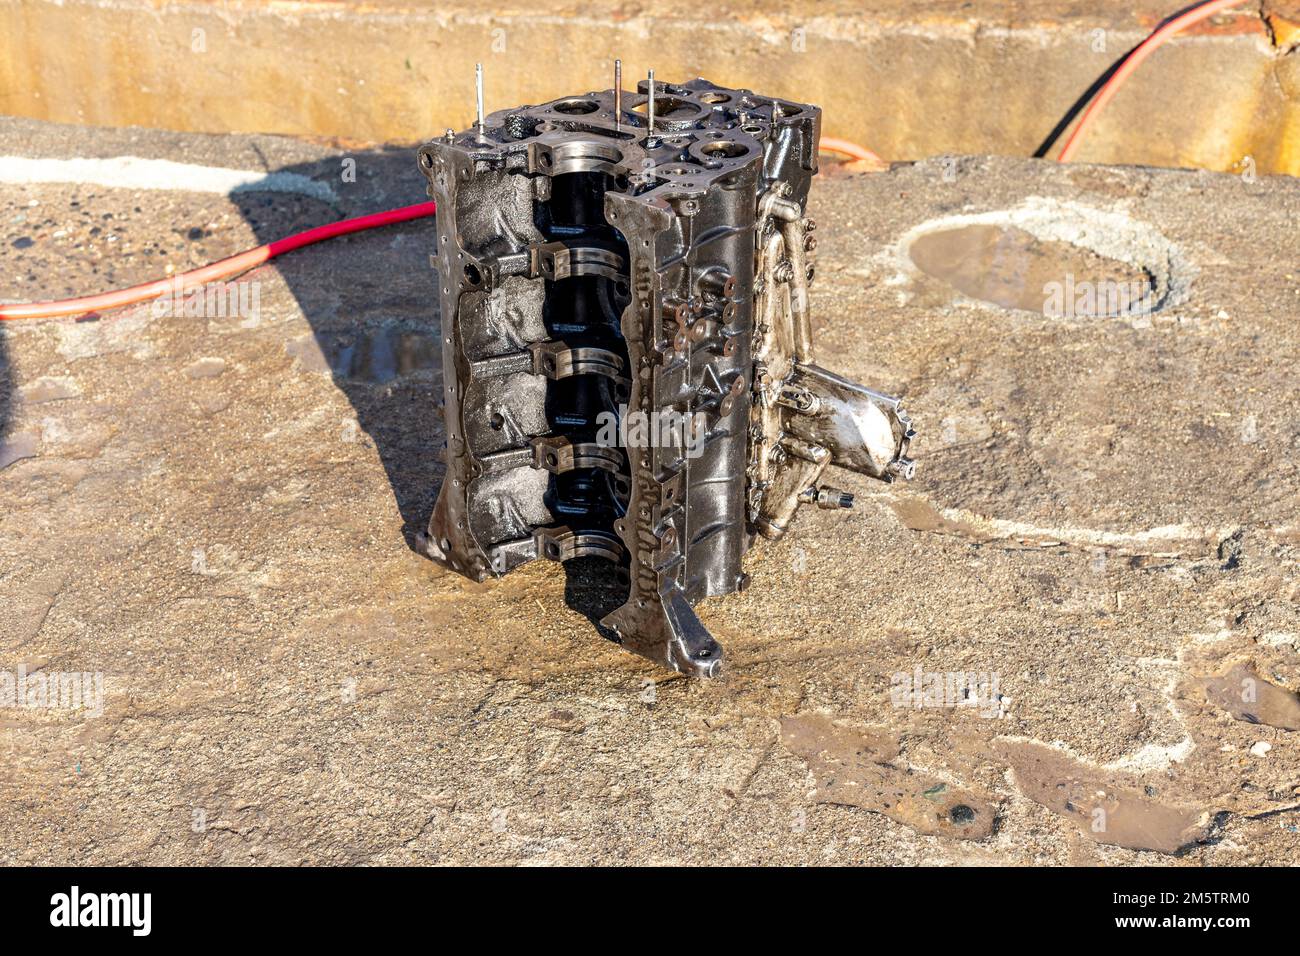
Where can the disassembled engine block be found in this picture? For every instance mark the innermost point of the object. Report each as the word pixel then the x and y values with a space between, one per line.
pixel 628 354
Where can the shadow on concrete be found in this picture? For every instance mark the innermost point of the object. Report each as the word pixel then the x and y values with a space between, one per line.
pixel 6 388
pixel 370 301
pixel 592 588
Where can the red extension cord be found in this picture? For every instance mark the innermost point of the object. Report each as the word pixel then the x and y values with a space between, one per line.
pixel 221 269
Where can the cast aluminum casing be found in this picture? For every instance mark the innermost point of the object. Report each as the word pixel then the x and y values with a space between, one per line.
pixel 590 268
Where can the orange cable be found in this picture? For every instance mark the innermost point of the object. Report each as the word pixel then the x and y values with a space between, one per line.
pixel 221 269
pixel 846 148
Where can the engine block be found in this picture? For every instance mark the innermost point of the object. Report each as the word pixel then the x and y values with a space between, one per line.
pixel 627 347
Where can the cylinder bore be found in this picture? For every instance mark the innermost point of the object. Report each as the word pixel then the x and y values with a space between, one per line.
pixel 575 107
pixel 579 155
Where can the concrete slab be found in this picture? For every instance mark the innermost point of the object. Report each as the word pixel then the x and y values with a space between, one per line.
pixel 209 514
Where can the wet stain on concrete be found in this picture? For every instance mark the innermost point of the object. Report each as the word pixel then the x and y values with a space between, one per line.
pixel 17 447
pixel 1247 696
pixel 919 514
pixel 377 356
pixel 48 389
pixel 1104 810
pixel 1011 268
pixel 859 769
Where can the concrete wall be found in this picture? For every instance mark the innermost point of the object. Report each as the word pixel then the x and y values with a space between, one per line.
pixel 907 79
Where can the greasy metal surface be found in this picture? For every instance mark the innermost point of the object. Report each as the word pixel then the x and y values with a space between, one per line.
pixel 650 252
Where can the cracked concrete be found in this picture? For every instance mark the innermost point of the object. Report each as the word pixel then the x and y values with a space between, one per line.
pixel 1104 518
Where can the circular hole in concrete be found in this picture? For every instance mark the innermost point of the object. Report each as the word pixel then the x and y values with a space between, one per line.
pixel 1014 269
pixel 1055 259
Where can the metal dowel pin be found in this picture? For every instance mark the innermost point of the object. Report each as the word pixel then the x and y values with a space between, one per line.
pixel 478 89
pixel 618 95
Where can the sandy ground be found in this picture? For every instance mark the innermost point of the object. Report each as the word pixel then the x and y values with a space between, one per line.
pixel 212 514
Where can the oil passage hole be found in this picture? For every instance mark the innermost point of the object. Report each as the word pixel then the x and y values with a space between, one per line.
pixel 472 275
